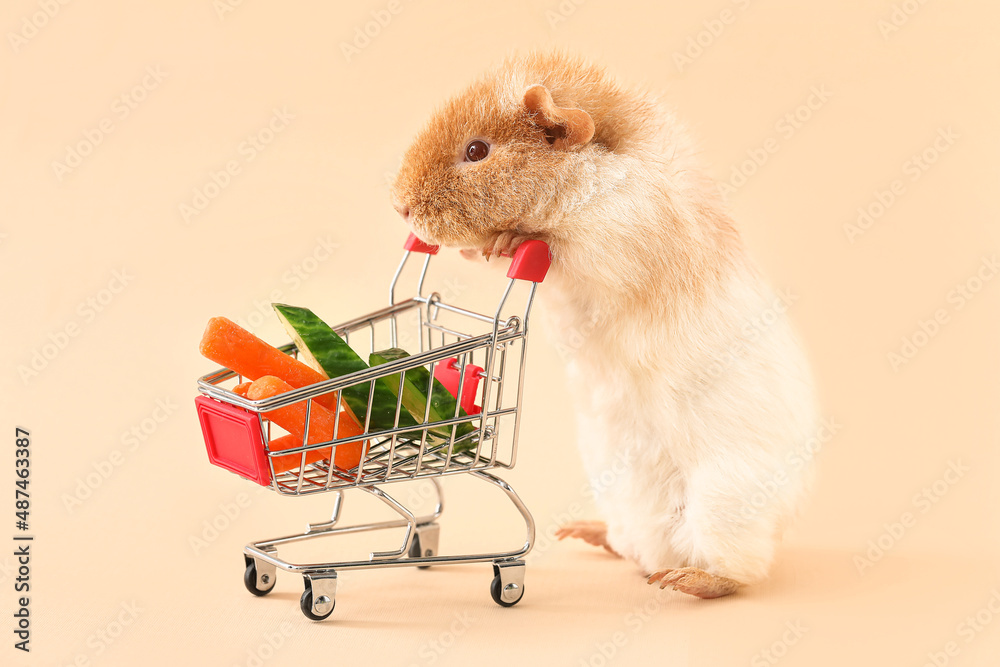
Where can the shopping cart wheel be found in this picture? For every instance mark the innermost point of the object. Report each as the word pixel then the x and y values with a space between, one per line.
pixel 507 588
pixel 425 543
pixel 319 598
pixel 259 581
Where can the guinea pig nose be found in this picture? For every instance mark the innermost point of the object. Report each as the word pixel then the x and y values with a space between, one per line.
pixel 403 210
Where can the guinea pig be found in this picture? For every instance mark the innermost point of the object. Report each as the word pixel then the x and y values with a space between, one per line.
pixel 687 379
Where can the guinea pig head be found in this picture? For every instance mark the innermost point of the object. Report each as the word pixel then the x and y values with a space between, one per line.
pixel 488 164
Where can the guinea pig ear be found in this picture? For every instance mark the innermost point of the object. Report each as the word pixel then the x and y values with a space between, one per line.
pixel 564 127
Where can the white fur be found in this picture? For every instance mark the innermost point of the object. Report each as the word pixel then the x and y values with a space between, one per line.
pixel 708 399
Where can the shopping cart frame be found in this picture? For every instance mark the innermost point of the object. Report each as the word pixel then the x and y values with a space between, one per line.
pixel 393 454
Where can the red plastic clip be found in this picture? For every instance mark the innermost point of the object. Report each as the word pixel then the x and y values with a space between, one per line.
pixel 531 261
pixel 234 439
pixel 449 374
pixel 413 244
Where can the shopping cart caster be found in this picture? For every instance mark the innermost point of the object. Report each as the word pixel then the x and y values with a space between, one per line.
pixel 507 588
pixel 259 576
pixel 319 598
pixel 425 543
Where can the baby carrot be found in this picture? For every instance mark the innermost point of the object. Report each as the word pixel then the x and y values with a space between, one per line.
pixel 292 418
pixel 232 346
pixel 283 463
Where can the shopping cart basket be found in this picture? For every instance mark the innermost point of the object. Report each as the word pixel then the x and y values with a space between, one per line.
pixel 479 359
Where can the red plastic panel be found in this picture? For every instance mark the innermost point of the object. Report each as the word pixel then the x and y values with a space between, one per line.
pixel 234 439
pixel 449 374
pixel 531 261
pixel 413 244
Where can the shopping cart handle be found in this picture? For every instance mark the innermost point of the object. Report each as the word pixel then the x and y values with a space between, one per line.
pixel 413 244
pixel 531 261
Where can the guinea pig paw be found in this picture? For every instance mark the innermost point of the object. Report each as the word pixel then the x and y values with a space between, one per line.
pixel 591 532
pixel 503 244
pixel 694 581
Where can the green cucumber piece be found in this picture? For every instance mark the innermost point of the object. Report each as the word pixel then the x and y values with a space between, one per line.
pixel 321 347
pixel 415 396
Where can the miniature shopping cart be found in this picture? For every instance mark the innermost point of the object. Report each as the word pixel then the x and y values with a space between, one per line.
pixel 478 359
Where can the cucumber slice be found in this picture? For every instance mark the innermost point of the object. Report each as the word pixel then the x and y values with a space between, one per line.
pixel 321 347
pixel 415 397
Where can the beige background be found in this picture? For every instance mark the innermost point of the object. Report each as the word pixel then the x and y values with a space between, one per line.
pixel 322 180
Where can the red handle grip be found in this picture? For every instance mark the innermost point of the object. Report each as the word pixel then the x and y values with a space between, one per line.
pixel 413 244
pixel 531 259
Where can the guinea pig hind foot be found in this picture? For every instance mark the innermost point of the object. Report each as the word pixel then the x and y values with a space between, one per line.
pixel 591 532
pixel 694 581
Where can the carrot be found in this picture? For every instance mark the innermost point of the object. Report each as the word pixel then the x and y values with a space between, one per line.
pixel 232 346
pixel 292 418
pixel 283 463
pixel 242 388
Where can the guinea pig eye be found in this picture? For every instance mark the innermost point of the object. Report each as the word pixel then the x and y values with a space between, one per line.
pixel 476 150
